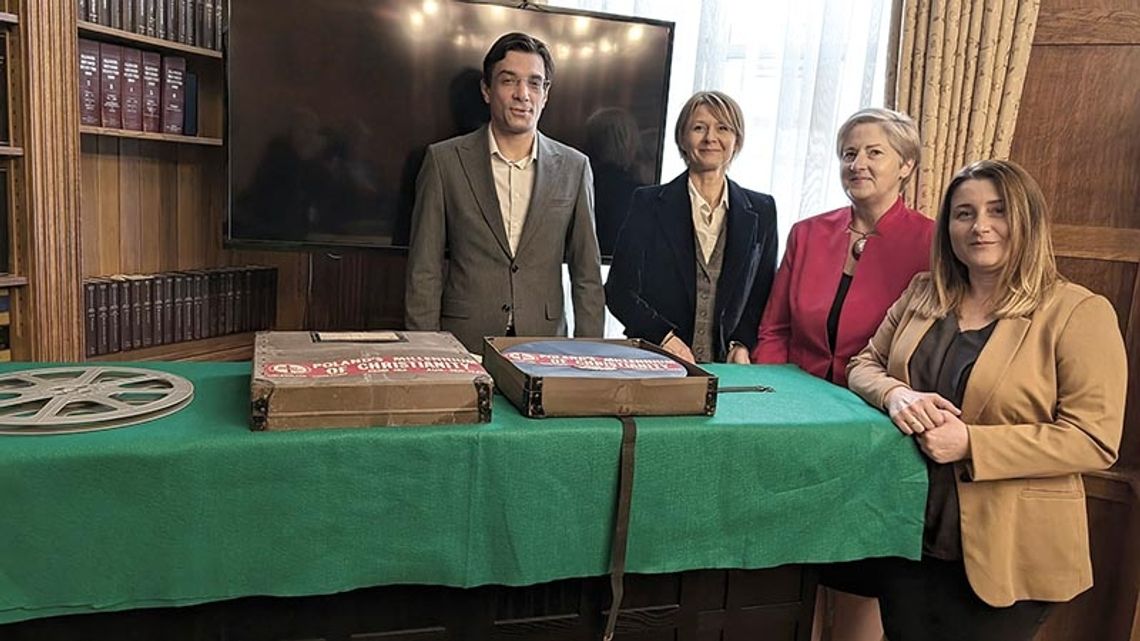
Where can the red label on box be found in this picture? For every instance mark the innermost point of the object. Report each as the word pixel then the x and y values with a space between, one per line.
pixel 374 365
pixel 596 363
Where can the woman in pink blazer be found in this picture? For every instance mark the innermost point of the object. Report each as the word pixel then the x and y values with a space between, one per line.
pixel 840 273
pixel 842 270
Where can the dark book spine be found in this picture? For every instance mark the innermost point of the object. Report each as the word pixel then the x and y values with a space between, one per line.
pixel 126 317
pixel 110 79
pixel 116 17
pixel 151 18
pixel 240 298
pixel 132 89
pixel 160 19
pixel 81 10
pixel 183 21
pixel 90 320
pixel 168 308
pixel 190 106
pixel 147 310
pixel 90 104
pixel 140 17
pixel 151 91
pixel 114 333
pixel 136 313
pixel 92 11
pixel 213 300
pixel 128 14
pixel 179 281
pixel 199 289
pixel 103 325
pixel 219 24
pixel 207 39
pixel 192 22
pixel 231 302
pixel 170 9
pixel 158 309
pixel 173 74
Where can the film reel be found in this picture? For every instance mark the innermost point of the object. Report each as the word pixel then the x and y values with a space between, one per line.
pixel 67 400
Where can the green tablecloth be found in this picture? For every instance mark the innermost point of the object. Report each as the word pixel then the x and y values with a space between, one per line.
pixel 195 507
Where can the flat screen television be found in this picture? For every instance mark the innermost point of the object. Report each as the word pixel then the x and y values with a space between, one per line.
pixel 331 104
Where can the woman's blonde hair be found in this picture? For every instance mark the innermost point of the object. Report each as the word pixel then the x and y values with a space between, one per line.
pixel 723 108
pixel 899 128
pixel 1030 270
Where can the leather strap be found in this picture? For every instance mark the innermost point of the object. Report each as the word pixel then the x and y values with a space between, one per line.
pixel 621 522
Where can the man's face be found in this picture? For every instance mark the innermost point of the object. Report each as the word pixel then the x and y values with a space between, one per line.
pixel 517 92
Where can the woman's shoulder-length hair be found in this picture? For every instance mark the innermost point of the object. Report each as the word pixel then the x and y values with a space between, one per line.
pixel 1030 270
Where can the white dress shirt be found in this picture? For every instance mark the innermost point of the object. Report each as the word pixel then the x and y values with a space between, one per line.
pixel 708 221
pixel 514 182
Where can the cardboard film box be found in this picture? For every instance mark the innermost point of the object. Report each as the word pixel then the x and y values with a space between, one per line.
pixel 539 396
pixel 364 379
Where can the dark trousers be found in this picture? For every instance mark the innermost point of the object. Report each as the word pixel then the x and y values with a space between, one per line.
pixel 931 600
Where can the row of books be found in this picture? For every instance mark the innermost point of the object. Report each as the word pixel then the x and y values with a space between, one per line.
pixel 132 311
pixel 194 22
pixel 126 88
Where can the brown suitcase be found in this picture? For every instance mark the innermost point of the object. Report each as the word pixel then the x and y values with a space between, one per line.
pixel 539 396
pixel 364 379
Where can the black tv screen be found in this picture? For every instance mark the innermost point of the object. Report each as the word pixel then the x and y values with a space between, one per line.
pixel 331 104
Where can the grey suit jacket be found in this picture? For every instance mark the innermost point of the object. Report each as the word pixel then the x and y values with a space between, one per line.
pixel 457 218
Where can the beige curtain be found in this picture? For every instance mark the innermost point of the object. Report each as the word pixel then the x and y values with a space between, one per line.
pixel 961 68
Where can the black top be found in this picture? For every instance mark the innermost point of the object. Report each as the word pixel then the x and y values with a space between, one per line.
pixel 833 315
pixel 942 363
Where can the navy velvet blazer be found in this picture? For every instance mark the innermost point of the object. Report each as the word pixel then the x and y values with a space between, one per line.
pixel 652 285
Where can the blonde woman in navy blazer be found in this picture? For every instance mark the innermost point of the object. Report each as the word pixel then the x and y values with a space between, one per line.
pixel 653 284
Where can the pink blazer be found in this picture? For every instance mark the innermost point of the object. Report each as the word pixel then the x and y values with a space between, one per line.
pixel 793 328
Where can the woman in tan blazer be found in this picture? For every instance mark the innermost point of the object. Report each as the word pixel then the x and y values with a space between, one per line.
pixel 1012 382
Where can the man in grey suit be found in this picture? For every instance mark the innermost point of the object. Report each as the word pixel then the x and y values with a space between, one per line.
pixel 506 206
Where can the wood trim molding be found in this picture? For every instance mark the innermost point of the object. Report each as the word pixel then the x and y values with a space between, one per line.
pixel 52 316
pixel 1101 243
pixel 1087 26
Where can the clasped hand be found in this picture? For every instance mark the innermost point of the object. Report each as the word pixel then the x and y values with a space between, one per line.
pixel 933 421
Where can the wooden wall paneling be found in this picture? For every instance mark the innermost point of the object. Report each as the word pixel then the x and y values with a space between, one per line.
pixel 107 204
pixel 1078 132
pixel 1088 22
pixel 193 238
pixel 51 303
pixel 89 220
pixel 133 252
pixel 155 225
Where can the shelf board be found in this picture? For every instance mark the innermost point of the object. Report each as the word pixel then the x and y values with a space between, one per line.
pixel 9 18
pixel 150 135
pixel 6 150
pixel 8 280
pixel 234 347
pixel 126 37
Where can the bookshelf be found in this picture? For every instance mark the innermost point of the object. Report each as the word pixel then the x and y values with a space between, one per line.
pixel 11 189
pixel 146 135
pixel 91 201
pixel 110 34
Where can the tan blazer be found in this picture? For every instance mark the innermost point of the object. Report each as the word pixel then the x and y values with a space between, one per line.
pixel 1045 401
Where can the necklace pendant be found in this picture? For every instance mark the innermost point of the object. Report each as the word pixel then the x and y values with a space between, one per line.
pixel 857 248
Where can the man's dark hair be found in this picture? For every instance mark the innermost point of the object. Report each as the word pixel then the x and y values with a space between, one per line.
pixel 516 41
